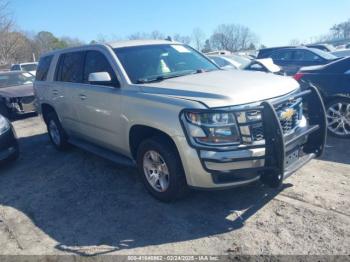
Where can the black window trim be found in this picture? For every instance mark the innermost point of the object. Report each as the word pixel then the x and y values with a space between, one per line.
pixel 50 57
pixel 85 51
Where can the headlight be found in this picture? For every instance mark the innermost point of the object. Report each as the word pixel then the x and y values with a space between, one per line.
pixel 4 125
pixel 212 128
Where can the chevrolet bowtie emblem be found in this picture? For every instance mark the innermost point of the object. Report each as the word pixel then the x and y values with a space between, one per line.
pixel 287 114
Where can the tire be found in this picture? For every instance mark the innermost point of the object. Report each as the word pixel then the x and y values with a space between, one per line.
pixel 172 174
pixel 4 111
pixel 338 113
pixel 58 136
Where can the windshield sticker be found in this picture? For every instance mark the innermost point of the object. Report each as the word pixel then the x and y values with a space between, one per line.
pixel 181 48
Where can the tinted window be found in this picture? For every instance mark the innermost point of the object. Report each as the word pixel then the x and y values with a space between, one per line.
pixel 220 61
pixel 283 55
pixel 304 55
pixel 70 67
pixel 15 79
pixel 43 68
pixel 29 67
pixel 95 62
pixel 15 68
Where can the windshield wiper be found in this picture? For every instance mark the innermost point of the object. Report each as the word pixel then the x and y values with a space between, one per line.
pixel 164 77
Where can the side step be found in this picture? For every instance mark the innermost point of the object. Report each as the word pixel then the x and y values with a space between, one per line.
pixel 102 152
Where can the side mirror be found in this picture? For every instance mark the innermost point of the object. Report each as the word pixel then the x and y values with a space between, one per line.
pixel 99 77
pixel 102 78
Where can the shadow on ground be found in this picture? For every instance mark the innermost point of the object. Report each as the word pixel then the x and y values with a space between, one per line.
pixel 337 150
pixel 82 201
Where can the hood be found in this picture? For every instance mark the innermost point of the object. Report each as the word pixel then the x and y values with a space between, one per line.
pixel 224 88
pixel 17 91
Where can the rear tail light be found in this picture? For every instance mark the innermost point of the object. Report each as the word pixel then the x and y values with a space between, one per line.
pixel 298 76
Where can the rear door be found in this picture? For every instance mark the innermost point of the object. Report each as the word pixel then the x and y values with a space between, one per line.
pixel 98 105
pixel 68 79
pixel 301 58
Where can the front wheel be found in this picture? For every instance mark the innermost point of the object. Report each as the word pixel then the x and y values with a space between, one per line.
pixel 338 117
pixel 161 170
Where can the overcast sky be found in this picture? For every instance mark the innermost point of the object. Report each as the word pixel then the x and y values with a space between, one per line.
pixel 274 22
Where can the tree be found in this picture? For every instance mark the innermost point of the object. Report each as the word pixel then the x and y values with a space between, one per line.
pixel 295 42
pixel 207 46
pixel 198 38
pixel 182 39
pixel 232 37
pixel 46 42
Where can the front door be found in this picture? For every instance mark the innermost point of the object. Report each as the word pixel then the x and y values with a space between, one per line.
pixel 98 106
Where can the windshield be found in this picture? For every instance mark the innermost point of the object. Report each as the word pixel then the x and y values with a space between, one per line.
pixel 323 54
pixel 11 79
pixel 149 63
pixel 243 61
pixel 29 67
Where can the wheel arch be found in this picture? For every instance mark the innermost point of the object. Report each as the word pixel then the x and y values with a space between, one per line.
pixel 139 133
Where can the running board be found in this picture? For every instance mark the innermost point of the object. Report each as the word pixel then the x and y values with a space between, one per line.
pixel 102 152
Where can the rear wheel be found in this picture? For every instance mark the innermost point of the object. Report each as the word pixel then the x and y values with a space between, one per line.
pixel 161 170
pixel 56 132
pixel 338 117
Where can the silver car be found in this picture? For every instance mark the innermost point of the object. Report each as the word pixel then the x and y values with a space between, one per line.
pixel 178 117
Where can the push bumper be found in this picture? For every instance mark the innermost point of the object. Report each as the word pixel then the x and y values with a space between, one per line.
pixel 273 159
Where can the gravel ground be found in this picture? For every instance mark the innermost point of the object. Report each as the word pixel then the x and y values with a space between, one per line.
pixel 76 203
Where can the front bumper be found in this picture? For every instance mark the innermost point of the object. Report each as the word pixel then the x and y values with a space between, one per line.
pixel 272 160
pixel 8 145
pixel 22 105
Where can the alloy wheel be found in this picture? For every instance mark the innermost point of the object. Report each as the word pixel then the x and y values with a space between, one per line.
pixel 338 116
pixel 156 171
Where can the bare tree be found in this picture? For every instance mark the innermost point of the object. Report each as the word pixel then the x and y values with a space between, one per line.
pixel 198 38
pixel 182 39
pixel 232 37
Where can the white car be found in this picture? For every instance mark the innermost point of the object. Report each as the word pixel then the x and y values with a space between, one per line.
pixel 28 67
pixel 244 63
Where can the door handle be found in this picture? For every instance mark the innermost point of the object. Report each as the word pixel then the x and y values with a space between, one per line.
pixel 82 97
pixel 55 92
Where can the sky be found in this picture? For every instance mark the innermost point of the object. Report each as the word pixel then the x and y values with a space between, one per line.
pixel 275 22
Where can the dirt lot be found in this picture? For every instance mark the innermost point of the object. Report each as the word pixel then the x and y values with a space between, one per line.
pixel 74 202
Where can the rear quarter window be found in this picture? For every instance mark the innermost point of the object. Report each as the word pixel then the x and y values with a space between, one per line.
pixel 43 68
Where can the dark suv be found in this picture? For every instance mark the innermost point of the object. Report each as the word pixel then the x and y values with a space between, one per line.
pixel 292 59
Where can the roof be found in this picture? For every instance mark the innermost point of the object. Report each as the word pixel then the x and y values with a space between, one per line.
pixel 128 43
pixel 117 44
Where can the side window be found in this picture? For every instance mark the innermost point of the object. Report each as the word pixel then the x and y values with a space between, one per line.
pixel 303 55
pixel 220 61
pixel 96 62
pixel 15 68
pixel 43 68
pixel 283 55
pixel 70 67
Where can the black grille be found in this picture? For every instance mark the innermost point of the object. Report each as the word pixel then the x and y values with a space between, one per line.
pixel 290 114
pixel 288 123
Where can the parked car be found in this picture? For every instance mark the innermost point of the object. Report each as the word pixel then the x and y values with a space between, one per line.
pixel 16 93
pixel 178 116
pixel 8 142
pixel 323 47
pixel 333 82
pixel 292 59
pixel 266 52
pixel 27 67
pixel 244 63
pixel 342 53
